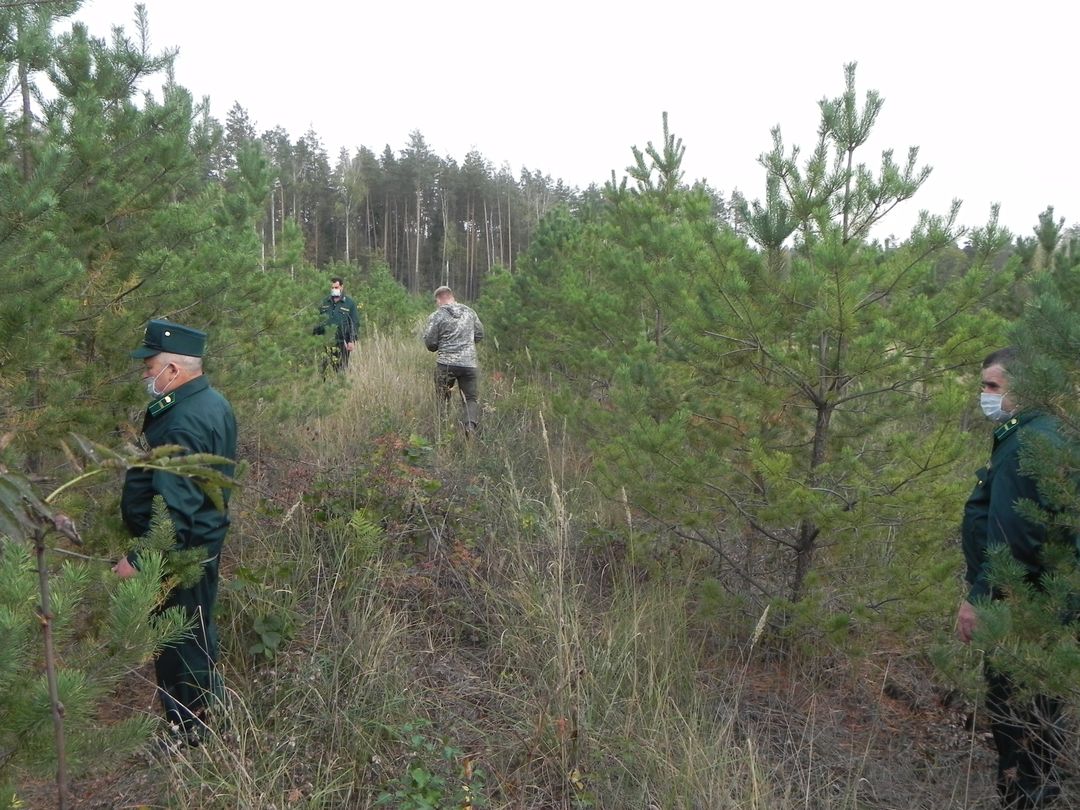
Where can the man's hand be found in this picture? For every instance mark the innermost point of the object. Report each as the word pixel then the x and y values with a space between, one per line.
pixel 124 569
pixel 966 620
pixel 349 346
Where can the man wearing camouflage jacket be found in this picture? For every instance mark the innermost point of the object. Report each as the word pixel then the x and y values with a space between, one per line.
pixel 452 332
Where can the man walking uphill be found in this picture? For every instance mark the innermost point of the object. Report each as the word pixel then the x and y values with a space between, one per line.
pixel 452 331
pixel 184 410
pixel 339 312
pixel 1026 729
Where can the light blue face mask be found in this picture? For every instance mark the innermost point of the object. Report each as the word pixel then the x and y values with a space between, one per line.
pixel 991 406
pixel 151 385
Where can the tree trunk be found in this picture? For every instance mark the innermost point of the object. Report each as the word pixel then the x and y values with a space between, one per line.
pixel 445 237
pixel 466 236
pixel 509 234
pixel 273 228
pixel 45 616
pixel 808 530
pixel 489 243
pixel 369 227
pixel 283 212
pixel 416 265
pixel 498 213
pixel 386 234
pixel 473 242
pixel 348 220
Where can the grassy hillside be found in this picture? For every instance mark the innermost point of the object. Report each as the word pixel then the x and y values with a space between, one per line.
pixel 414 621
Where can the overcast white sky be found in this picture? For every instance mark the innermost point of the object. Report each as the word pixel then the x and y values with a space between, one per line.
pixel 985 89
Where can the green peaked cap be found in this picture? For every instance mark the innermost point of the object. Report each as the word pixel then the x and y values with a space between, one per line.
pixel 163 336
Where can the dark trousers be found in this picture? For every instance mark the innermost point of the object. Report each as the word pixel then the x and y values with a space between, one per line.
pixel 1029 737
pixel 186 677
pixel 467 379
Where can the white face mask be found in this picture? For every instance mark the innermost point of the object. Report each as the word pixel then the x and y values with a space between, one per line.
pixel 151 385
pixel 991 406
pixel 335 292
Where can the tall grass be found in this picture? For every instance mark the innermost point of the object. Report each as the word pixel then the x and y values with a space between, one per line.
pixel 454 617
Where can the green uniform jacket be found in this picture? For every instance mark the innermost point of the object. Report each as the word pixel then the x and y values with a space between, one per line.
pixel 990 517
pixel 342 314
pixel 200 419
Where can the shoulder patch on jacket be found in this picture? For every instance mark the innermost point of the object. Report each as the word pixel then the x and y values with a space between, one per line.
pixel 159 405
pixel 1005 429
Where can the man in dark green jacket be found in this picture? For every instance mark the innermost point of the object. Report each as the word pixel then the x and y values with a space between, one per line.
pixel 184 410
pixel 340 313
pixel 1027 733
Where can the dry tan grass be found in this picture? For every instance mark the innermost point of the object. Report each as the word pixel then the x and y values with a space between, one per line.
pixel 479 613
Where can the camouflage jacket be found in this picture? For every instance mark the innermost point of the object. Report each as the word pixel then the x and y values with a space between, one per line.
pixel 452 332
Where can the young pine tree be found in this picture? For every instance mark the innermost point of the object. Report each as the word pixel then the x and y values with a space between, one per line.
pixel 77 663
pixel 124 218
pixel 793 405
pixel 1032 633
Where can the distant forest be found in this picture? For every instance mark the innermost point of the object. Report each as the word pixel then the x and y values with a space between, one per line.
pixel 432 219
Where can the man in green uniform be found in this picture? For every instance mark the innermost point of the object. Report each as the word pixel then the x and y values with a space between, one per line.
pixel 184 410
pixel 1027 733
pixel 339 312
